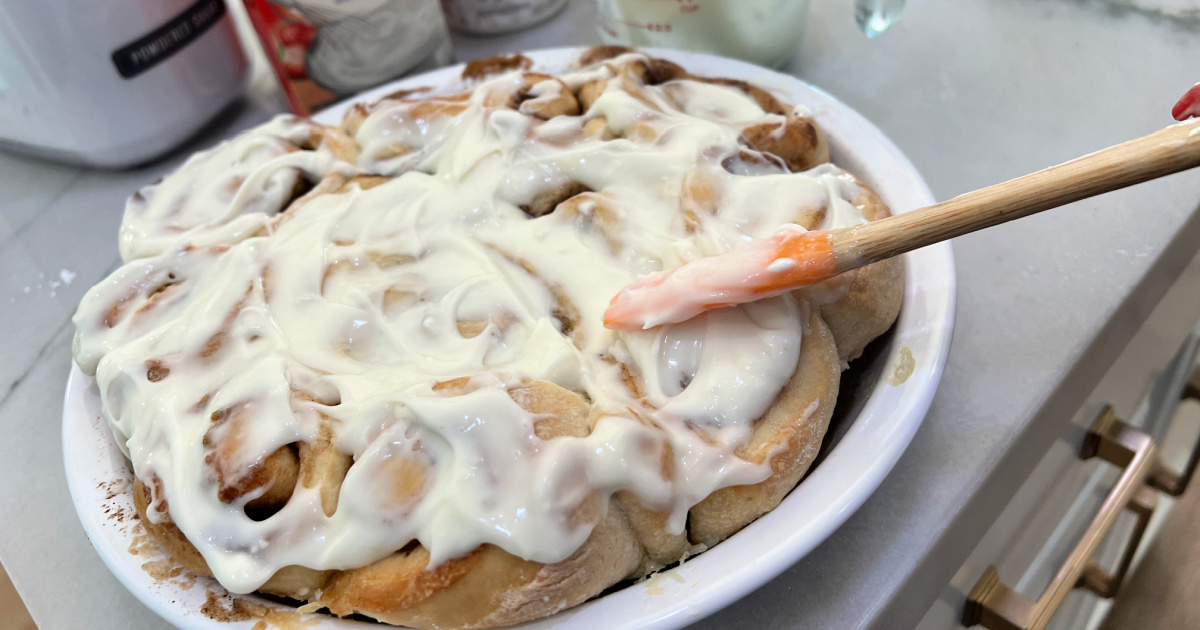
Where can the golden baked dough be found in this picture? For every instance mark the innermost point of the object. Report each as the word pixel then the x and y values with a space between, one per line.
pixel 628 531
pixel 487 588
pixel 872 300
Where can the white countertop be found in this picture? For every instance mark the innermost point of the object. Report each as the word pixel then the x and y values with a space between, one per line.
pixel 973 92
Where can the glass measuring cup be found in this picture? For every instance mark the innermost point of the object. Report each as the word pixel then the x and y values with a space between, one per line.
pixel 766 32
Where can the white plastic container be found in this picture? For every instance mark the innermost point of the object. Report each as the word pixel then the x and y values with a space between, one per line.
pixel 492 17
pixel 113 83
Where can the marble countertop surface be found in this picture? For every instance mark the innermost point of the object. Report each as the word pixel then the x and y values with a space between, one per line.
pixel 973 92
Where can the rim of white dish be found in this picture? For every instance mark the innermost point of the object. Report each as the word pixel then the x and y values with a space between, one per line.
pixel 886 421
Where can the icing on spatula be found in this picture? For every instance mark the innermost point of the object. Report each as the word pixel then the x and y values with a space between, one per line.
pixel 793 258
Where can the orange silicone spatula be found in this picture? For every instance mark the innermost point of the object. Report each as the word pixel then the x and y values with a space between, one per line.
pixel 793 258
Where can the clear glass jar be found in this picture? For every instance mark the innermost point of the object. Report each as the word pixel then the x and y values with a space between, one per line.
pixel 766 32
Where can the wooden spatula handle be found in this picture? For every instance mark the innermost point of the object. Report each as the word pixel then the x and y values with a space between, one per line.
pixel 1170 150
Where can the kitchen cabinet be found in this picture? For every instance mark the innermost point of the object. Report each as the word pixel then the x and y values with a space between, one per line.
pixel 1152 386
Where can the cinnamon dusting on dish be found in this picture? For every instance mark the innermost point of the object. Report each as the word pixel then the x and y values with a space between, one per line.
pixel 223 607
pixel 162 570
pixel 141 544
pixel 114 488
pixel 115 510
pixel 160 566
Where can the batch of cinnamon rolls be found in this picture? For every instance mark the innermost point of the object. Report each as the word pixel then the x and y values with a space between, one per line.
pixel 362 367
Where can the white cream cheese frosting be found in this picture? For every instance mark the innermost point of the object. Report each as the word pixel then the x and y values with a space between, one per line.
pixel 357 300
